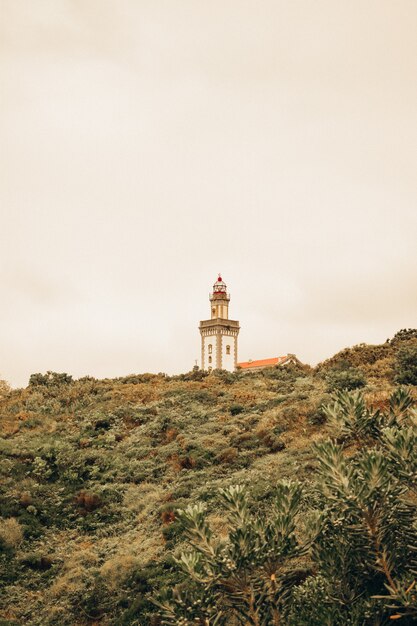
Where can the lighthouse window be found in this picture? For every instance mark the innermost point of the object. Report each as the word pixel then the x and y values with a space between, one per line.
pixel 227 349
pixel 209 359
pixel 210 348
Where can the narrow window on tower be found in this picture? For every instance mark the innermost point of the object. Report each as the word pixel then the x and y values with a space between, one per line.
pixel 227 349
pixel 209 359
pixel 210 348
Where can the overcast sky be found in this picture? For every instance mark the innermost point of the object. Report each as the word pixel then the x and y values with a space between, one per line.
pixel 146 145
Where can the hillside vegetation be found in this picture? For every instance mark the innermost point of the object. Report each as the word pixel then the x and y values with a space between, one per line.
pixel 106 483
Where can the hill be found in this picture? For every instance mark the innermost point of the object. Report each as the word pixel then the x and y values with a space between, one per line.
pixel 93 472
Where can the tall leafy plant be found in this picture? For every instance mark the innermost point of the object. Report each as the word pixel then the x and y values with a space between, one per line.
pixel 357 562
pixel 244 577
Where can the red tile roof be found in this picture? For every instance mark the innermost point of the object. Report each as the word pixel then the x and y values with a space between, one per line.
pixel 263 362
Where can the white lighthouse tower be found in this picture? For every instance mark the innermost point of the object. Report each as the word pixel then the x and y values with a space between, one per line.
pixel 219 334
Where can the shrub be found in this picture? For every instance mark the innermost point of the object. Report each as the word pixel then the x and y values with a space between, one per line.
pixel 118 569
pixel 245 441
pixel 228 455
pixel 11 534
pixel 239 576
pixel 4 388
pixel 49 379
pixel 88 501
pixel 37 561
pixel 404 335
pixel 274 443
pixel 41 468
pixel 316 415
pixel 235 409
pixel 406 366
pixel 347 379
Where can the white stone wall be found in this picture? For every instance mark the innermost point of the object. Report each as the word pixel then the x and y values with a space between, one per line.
pixel 210 339
pixel 228 360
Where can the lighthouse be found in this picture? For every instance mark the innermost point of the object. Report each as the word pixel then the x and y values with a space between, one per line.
pixel 219 334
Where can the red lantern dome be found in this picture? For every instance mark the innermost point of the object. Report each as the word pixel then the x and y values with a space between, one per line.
pixel 219 286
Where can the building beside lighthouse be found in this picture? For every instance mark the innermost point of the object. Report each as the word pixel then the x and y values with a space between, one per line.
pixel 219 334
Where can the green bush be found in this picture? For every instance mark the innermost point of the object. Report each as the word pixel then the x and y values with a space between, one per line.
pixel 406 366
pixel 236 409
pixel 50 379
pixel 37 561
pixel 345 379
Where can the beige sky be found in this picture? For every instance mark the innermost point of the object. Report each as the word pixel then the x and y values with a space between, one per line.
pixel 147 145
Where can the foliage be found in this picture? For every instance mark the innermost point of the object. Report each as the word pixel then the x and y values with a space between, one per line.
pixel 350 415
pixel 404 334
pixel 4 388
pixel 360 536
pixel 11 534
pixel 94 472
pixel 347 378
pixel 240 577
pixel 235 409
pixel 406 368
pixel 50 379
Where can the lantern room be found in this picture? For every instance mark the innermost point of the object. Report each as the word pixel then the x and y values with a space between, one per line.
pixel 219 290
pixel 219 286
pixel 219 300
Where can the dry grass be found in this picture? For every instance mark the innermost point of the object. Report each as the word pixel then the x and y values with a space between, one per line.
pixel 117 569
pixel 11 533
pixel 76 569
